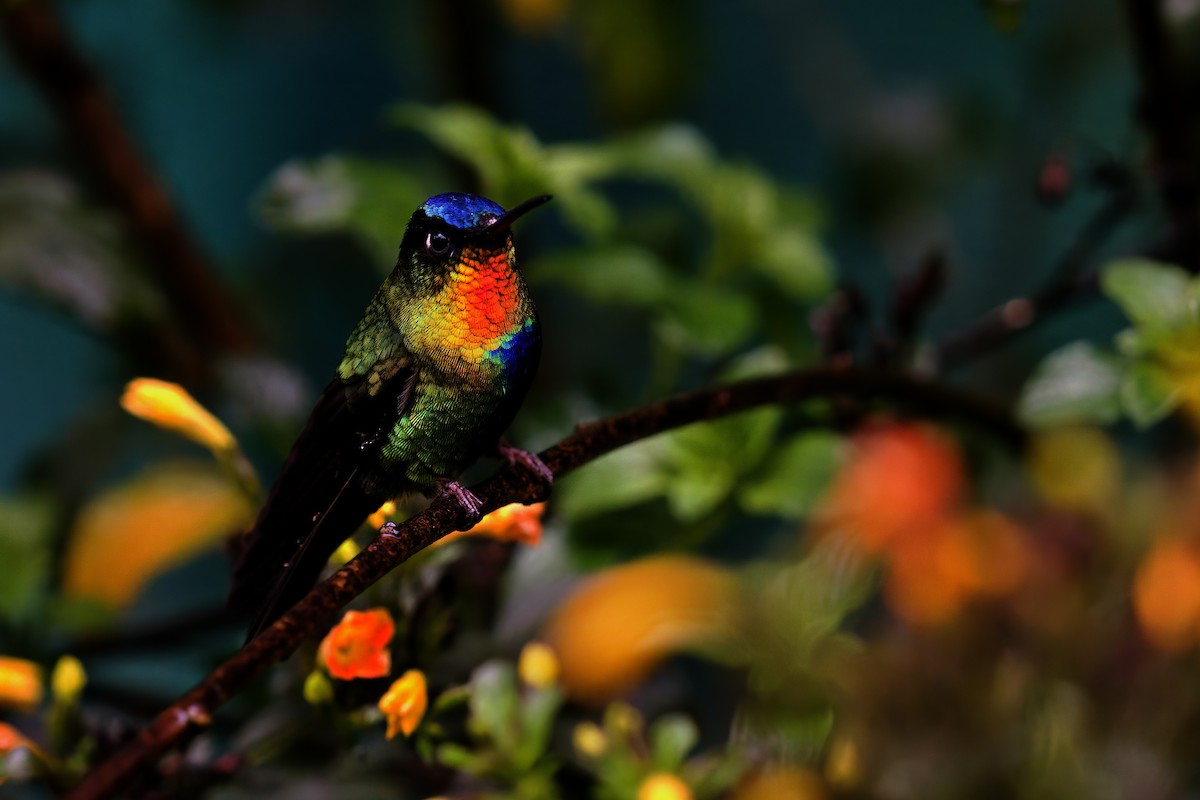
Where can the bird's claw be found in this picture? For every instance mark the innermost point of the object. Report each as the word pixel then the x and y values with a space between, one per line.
pixel 527 459
pixel 471 506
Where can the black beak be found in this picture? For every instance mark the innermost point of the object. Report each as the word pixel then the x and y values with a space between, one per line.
pixel 505 220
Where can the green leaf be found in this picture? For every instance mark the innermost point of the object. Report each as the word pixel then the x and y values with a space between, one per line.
pixel 704 462
pixel 672 737
pixel 1148 292
pixel 625 275
pixel 796 263
pixel 537 711
pixel 25 548
pixel 494 701
pixel 1075 384
pixel 620 479
pixel 1147 394
pixel 795 476
pixel 707 319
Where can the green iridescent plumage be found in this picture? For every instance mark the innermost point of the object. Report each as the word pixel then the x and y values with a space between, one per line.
pixel 432 375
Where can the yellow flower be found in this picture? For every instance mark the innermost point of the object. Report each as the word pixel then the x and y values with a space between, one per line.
pixel 663 786
pixel 843 764
pixel 404 703
pixel 1076 468
pixel 357 646
pixel 168 405
pixel 127 535
pixel 538 666
pixel 20 683
pixel 590 740
pixel 317 688
pixel 67 680
pixel 511 523
pixel 381 516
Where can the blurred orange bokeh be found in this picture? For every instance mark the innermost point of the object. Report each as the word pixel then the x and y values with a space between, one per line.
pixel 620 623
pixel 900 497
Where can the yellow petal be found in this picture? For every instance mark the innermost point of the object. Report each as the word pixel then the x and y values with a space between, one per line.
pixel 589 740
pixel 538 666
pixel 404 703
pixel 127 535
pixel 663 786
pixel 168 405
pixel 620 623
pixel 67 680
pixel 1077 469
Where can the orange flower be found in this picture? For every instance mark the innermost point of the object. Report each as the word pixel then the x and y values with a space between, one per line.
pixel 20 683
pixel 357 646
pixel 404 703
pixel 786 781
pixel 620 623
pixel 901 480
pixel 967 556
pixel 168 405
pixel 511 523
pixel 1166 594
pixel 11 739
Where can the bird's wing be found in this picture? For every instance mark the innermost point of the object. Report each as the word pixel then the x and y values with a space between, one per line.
pixel 328 486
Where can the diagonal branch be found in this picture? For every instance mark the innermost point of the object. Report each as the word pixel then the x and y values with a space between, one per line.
pixel 42 46
pixel 589 441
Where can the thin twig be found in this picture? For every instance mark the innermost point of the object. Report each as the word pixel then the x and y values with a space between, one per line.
pixel 42 46
pixel 395 544
pixel 1072 282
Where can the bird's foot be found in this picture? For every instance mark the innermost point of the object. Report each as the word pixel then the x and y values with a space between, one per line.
pixel 468 502
pixel 527 459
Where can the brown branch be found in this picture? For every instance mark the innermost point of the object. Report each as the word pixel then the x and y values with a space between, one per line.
pixel 42 46
pixel 395 544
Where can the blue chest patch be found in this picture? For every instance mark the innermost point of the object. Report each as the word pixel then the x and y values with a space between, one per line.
pixel 513 354
pixel 461 210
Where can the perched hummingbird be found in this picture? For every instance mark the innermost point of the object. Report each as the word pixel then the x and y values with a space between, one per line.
pixel 432 376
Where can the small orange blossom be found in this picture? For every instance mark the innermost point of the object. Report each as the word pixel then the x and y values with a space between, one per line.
pixel 1166 594
pixel 901 479
pixel 357 646
pixel 514 522
pixel 20 683
pixel 404 703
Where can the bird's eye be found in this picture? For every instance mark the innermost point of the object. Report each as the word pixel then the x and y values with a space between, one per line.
pixel 437 243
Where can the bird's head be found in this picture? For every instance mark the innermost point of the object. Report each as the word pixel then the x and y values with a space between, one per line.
pixel 457 231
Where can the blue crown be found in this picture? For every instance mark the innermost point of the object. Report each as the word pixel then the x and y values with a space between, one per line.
pixel 461 210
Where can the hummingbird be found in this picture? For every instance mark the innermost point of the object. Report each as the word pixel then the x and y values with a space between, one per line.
pixel 432 376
